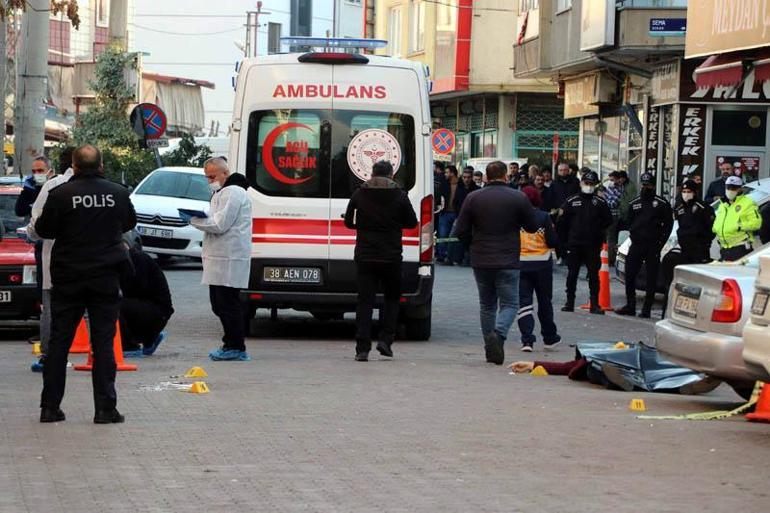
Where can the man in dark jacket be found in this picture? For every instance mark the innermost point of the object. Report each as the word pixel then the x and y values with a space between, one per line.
pixel 379 211
pixel 491 219
pixel 649 222
pixel 564 186
pixel 584 219
pixel 716 188
pixel 87 216
pixel 537 278
pixel 146 305
pixel 41 172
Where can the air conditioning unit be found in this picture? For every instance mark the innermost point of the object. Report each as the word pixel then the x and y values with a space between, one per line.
pixel 606 89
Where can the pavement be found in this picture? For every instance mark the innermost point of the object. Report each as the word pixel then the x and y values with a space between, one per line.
pixel 302 427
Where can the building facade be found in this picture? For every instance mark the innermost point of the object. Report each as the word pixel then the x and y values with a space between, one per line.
pixel 466 46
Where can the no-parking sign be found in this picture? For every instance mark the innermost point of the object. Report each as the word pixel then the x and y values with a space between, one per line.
pixel 443 141
pixel 149 123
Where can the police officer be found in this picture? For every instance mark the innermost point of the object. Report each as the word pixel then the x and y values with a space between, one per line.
pixel 87 217
pixel 736 221
pixel 584 219
pixel 695 219
pixel 649 221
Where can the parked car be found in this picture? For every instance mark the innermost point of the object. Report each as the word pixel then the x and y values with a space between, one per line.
pixel 156 200
pixel 18 275
pixel 759 191
pixel 707 310
pixel 756 333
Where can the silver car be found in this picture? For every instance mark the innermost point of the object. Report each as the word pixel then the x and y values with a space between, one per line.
pixel 708 306
pixel 759 191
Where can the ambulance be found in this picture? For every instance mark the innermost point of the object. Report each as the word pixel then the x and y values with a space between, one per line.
pixel 307 128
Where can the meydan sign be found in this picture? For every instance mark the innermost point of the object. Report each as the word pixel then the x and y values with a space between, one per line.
pixel 726 25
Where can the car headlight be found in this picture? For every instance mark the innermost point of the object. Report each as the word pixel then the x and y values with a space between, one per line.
pixel 30 275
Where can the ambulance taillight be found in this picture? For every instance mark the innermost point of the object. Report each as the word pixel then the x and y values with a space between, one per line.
pixel 426 230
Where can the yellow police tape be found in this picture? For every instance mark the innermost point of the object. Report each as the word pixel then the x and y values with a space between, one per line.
pixel 711 415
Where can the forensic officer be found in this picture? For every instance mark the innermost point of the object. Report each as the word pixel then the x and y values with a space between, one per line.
pixel 584 218
pixel 649 222
pixel 87 216
pixel 695 219
pixel 737 220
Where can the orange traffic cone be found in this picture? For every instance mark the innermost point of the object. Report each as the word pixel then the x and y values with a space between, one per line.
pixel 605 302
pixel 117 346
pixel 81 343
pixel 762 411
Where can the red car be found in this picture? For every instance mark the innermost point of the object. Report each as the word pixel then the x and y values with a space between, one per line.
pixel 19 299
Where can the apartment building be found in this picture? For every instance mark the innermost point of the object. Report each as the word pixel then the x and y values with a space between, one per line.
pixel 467 46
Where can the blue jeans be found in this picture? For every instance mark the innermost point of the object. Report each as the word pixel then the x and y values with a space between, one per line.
pixel 445 222
pixel 540 282
pixel 498 299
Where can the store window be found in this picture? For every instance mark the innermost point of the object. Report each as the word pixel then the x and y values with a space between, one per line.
pixel 739 128
pixel 416 26
pixel 528 5
pixel 394 32
pixel 484 143
pixel 591 135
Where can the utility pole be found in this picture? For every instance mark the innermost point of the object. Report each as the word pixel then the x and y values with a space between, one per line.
pixel 118 29
pixel 31 84
pixel 251 42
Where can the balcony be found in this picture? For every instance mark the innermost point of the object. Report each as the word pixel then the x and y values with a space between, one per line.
pixel 634 19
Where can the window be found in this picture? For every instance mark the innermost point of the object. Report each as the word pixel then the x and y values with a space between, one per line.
pixel 416 26
pixel 528 5
pixel 394 32
pixel 739 128
pixel 9 221
pixel 301 17
pixel 176 185
pixel 563 5
pixel 102 13
pixel 303 153
pixel 273 38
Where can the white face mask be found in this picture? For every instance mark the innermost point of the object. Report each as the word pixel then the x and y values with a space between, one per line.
pixel 215 186
pixel 731 195
pixel 587 189
pixel 688 196
pixel 40 178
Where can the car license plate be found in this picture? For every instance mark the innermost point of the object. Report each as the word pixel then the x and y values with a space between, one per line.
pixel 5 296
pixel 759 304
pixel 686 306
pixel 291 274
pixel 155 232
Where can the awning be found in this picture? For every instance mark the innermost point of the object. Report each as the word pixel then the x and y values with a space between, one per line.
pixel 719 70
pixel 762 70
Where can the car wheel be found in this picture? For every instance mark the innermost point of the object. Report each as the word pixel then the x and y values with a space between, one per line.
pixel 743 389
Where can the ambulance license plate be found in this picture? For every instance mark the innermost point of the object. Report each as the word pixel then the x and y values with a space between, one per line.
pixel 155 232
pixel 759 304
pixel 686 306
pixel 291 274
pixel 5 296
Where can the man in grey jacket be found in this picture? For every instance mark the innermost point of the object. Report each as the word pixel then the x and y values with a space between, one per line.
pixel 491 219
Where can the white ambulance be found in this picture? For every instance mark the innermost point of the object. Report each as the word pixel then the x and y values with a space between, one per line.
pixel 307 128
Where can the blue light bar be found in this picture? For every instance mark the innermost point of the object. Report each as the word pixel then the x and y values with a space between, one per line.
pixel 334 42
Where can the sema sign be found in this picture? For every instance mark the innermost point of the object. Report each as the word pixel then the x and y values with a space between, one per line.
pixel 726 25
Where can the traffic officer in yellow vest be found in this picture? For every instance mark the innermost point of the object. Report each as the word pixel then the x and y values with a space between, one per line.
pixel 737 220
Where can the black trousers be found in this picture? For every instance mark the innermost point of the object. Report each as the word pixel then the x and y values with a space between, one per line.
pixel 637 255
pixel 100 297
pixel 226 304
pixel 374 277
pixel 735 253
pixel 577 256
pixel 140 322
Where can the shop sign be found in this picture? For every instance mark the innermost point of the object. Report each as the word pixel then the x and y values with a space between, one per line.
pixel 750 91
pixel 662 27
pixel 652 144
pixel 665 84
pixel 725 26
pixel 580 97
pixel 692 141
pixel 597 24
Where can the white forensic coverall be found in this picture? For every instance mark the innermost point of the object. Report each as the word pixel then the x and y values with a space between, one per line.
pixel 227 238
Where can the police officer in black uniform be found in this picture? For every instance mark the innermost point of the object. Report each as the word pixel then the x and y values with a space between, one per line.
pixel 87 216
pixel 649 221
pixel 695 219
pixel 585 218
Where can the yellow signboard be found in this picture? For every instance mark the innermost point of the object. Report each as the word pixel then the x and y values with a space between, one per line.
pixel 719 26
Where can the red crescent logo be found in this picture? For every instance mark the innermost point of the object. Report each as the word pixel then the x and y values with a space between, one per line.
pixel 267 154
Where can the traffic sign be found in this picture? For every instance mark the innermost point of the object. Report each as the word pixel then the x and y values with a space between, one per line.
pixel 157 143
pixel 149 121
pixel 443 141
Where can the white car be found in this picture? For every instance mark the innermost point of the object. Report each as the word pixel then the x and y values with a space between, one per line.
pixel 156 200
pixel 756 333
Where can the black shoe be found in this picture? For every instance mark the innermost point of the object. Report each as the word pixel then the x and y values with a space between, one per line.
pixel 569 306
pixel 626 310
pixel 362 357
pixel 596 310
pixel 51 415
pixel 112 416
pixel 551 345
pixel 493 347
pixel 384 349
pixel 645 314
pixel 526 348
